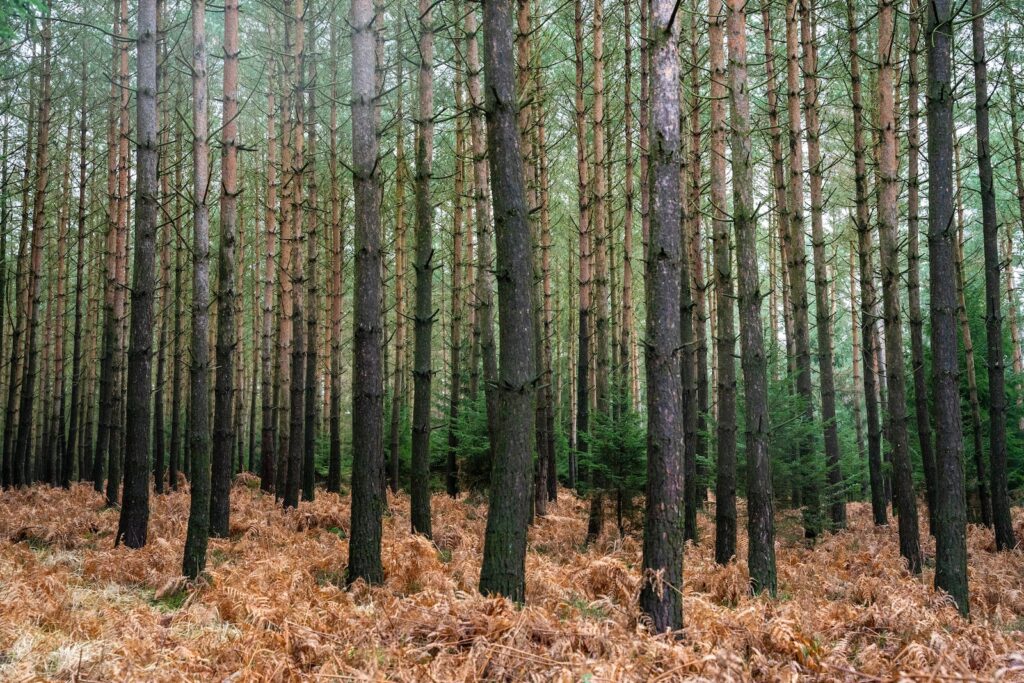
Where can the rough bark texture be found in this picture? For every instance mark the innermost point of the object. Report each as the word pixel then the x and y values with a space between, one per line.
pixel 822 318
pixel 1005 538
pixel 134 518
pixel 198 533
pixel 223 432
pixel 585 240
pixel 424 320
pixel 922 411
pixel 662 584
pixel 868 315
pixel 951 520
pixel 888 218
pixel 504 570
pixel 725 330
pixel 760 513
pixel 367 372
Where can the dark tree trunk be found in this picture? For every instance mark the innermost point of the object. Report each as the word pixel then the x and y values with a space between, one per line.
pixel 367 375
pixel 312 297
pixel 268 433
pixel 174 457
pixel 198 532
pixel 661 591
pixel 869 316
pixel 760 513
pixel 33 288
pixel 337 264
pixel 888 218
pixel 1005 537
pixel 504 560
pixel 223 432
pixel 725 335
pixel 132 527
pixel 922 411
pixel 424 317
pixel 950 503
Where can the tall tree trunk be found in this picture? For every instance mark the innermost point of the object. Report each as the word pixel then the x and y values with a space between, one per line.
pixel 627 358
pixel 1005 537
pixel 33 289
pixel 661 590
pixel 823 321
pixel 367 377
pixel 268 435
pixel 951 527
pixel 922 410
pixel 132 527
pixel 484 322
pixel 868 314
pixel 297 275
pixel 888 218
pixel 585 241
pixel 760 513
pixel 807 493
pixel 76 354
pixel 337 265
pixel 984 499
pixel 725 331
pixel 223 432
pixel 198 531
pixel 451 471
pixel 398 390
pixel 179 295
pixel 312 217
pixel 504 559
pixel 422 374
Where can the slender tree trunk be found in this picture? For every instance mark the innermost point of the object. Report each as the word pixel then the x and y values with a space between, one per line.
pixel 132 527
pixel 422 375
pixel 661 590
pixel 179 295
pixel 76 354
pixel 808 491
pixel 297 275
pixel 504 559
pixel 337 265
pixel 398 390
pixel 1005 537
pixel 367 377
pixel 223 427
pixel 484 320
pixel 951 527
pixel 984 499
pixel 451 473
pixel 868 317
pixel 626 359
pixel 199 400
pixel 33 289
pixel 888 215
pixel 823 321
pixel 725 334
pixel 760 513
pixel 922 411
pixel 312 293
pixel 268 434
pixel 585 240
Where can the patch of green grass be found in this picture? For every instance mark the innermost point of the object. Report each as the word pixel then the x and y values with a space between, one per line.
pixel 338 531
pixel 171 602
pixel 588 610
pixel 444 555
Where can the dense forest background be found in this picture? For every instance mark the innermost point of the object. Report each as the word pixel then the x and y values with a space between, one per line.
pixel 755 265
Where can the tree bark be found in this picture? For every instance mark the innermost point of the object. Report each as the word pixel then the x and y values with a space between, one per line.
pixel 367 376
pixel 198 531
pixel 504 559
pixel 888 218
pixel 951 527
pixel 422 374
pixel 661 589
pixel 132 527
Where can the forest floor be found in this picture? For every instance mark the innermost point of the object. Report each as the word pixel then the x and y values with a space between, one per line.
pixel 273 608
